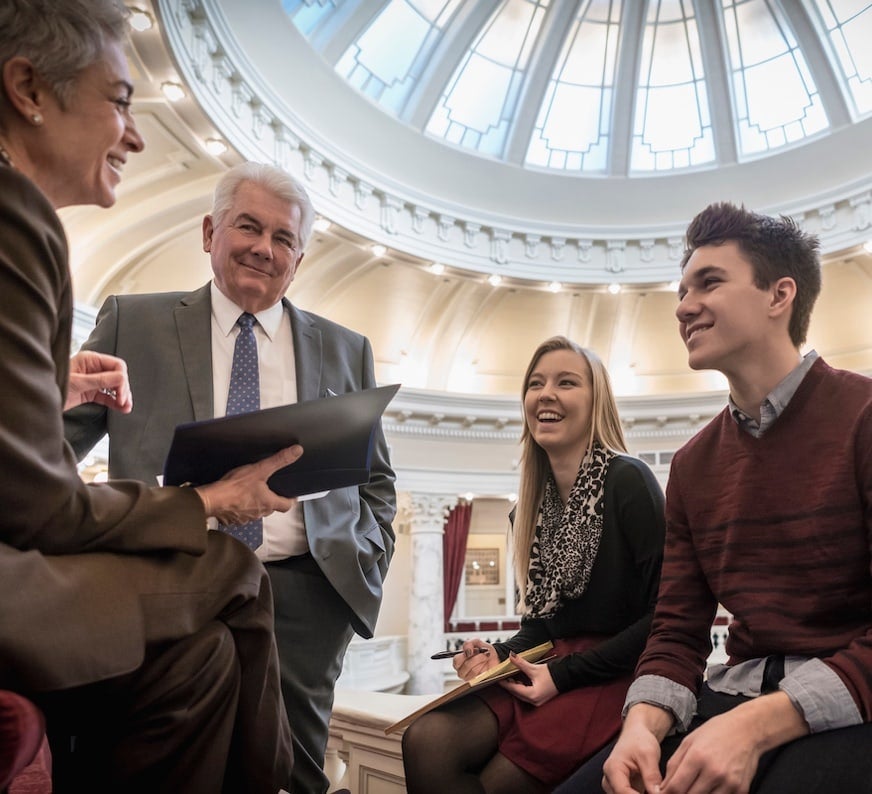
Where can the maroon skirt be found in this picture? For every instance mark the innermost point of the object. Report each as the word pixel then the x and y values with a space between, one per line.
pixel 552 740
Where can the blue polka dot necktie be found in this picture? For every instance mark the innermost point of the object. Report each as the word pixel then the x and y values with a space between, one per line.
pixel 244 396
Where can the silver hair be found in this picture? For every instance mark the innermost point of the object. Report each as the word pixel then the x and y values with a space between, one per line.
pixel 269 177
pixel 60 38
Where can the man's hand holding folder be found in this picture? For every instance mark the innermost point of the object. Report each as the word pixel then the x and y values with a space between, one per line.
pixel 337 433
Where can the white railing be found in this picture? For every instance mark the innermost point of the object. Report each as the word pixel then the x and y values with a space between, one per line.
pixel 375 665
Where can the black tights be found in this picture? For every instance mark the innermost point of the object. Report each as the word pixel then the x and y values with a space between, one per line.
pixel 455 749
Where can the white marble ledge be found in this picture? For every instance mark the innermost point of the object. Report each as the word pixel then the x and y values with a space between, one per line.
pixel 360 756
pixel 374 709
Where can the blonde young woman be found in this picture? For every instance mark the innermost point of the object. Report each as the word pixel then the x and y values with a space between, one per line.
pixel 587 536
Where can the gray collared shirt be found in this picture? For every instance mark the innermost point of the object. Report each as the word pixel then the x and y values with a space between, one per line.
pixel 776 401
pixel 812 687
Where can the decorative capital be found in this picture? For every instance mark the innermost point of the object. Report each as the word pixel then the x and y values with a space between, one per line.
pixel 427 512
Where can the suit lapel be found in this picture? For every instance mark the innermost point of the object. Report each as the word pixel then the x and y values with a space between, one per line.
pixel 194 327
pixel 307 354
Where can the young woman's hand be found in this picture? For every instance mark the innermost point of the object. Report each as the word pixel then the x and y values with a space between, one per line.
pixel 541 687
pixel 477 656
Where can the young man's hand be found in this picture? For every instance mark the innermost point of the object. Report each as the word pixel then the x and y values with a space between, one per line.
pixel 634 763
pixel 722 754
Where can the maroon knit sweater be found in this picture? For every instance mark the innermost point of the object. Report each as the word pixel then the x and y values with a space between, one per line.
pixel 779 530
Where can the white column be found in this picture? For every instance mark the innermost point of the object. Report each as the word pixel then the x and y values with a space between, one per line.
pixel 426 621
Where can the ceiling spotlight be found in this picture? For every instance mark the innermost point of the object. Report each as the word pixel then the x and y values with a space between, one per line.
pixel 867 246
pixel 215 146
pixel 437 268
pixel 172 91
pixel 140 19
pixel 321 225
pixel 555 286
pixel 379 250
pixel 614 288
pixel 672 286
pixel 494 279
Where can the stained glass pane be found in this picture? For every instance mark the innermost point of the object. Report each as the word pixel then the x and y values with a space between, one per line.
pixel 776 100
pixel 308 14
pixel 849 26
pixel 479 103
pixel 672 124
pixel 388 57
pixel 572 129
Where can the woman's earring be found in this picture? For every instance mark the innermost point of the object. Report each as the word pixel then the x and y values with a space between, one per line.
pixel 36 118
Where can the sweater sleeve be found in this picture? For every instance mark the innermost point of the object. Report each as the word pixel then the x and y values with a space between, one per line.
pixel 679 643
pixel 636 500
pixel 533 632
pixel 853 663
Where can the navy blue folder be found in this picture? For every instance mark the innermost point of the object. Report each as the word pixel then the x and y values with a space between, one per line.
pixel 337 434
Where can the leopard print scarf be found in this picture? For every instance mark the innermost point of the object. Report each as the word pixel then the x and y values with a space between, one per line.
pixel 567 538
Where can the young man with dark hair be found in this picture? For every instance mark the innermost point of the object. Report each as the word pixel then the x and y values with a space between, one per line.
pixel 769 512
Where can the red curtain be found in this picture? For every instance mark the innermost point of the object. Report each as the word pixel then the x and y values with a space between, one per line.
pixel 454 555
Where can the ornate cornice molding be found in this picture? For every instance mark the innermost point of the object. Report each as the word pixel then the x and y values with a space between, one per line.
pixel 463 417
pixel 437 482
pixel 375 204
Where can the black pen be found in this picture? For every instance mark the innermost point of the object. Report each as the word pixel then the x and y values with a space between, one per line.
pixel 449 654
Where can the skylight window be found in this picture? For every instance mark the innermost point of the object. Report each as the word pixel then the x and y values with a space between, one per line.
pixel 572 130
pixel 849 27
pixel 535 82
pixel 478 106
pixel 672 127
pixel 774 93
pixel 307 16
pixel 389 57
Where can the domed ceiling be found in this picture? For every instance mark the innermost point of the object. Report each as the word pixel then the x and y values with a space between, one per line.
pixel 491 173
pixel 603 86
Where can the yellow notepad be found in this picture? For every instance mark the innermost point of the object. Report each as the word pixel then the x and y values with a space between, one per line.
pixel 504 669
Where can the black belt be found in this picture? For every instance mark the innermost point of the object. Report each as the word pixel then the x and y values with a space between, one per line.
pixel 301 562
pixel 773 672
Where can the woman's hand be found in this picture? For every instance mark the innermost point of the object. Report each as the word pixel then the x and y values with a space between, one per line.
pixel 242 494
pixel 541 688
pixel 471 663
pixel 98 378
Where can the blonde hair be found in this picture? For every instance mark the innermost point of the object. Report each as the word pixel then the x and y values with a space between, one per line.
pixel 535 468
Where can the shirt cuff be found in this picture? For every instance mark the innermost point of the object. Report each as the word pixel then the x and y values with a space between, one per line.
pixel 821 697
pixel 665 693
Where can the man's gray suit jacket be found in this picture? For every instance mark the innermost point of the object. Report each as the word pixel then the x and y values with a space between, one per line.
pixel 165 338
